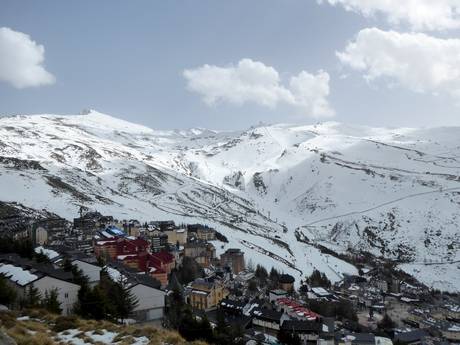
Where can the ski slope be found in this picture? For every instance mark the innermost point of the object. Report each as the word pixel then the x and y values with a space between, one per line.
pixel 394 192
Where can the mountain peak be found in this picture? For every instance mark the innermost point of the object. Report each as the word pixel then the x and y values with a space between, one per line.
pixel 92 119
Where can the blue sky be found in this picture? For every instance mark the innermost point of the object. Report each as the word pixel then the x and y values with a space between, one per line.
pixel 127 59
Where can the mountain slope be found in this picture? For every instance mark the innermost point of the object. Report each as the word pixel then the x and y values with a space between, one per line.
pixel 392 192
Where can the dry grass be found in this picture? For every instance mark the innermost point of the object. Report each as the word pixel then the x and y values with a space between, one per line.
pixel 22 335
pixel 38 330
pixel 8 319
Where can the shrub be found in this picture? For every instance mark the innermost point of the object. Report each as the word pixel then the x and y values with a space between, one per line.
pixel 65 322
pixel 8 319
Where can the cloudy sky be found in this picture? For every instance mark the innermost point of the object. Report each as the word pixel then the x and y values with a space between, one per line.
pixel 232 64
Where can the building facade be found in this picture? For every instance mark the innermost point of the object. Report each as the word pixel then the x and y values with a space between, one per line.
pixel 233 258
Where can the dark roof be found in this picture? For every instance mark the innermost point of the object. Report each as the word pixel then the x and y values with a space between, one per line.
pixel 412 336
pixel 122 268
pixel 134 276
pixel 147 280
pixel 302 326
pixel 434 341
pixel 286 279
pixel 232 319
pixel 232 304
pixel 35 267
pixel 267 314
pixel 233 251
pixel 359 338
pixel 85 258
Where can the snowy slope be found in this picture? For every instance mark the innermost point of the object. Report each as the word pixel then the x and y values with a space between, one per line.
pixel 393 192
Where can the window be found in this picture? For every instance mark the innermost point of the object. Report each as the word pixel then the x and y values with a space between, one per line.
pixel 66 295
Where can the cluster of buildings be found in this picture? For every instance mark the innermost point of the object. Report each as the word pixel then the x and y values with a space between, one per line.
pixel 146 258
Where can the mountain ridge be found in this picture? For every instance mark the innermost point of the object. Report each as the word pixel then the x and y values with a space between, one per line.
pixel 393 192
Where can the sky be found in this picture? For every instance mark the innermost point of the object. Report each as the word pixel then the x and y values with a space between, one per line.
pixel 233 64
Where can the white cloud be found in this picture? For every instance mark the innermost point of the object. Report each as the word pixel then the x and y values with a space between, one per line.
pixel 21 60
pixel 419 14
pixel 415 61
pixel 253 81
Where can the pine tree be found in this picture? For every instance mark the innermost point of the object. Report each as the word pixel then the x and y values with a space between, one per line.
pixel 261 274
pixel 101 261
pixel 175 305
pixel 386 323
pixel 50 302
pixel 126 301
pixel 318 278
pixel 274 278
pixel 98 304
pixel 7 293
pixel 67 266
pixel 41 258
pixel 32 298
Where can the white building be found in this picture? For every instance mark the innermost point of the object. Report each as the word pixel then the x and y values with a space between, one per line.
pixel 151 302
pixel 145 289
pixel 23 273
pixel 276 294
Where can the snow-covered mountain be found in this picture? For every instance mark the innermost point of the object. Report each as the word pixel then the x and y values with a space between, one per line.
pixel 271 190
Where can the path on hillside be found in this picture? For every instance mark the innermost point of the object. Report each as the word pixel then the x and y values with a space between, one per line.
pixel 382 205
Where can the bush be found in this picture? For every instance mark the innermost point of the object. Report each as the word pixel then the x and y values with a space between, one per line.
pixel 65 322
pixel 8 319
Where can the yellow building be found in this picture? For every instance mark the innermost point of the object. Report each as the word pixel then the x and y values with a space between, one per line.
pixel 206 295
pixel 206 234
pixel 41 236
pixel 177 236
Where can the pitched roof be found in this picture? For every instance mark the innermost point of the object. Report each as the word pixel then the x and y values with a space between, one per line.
pixel 302 326
pixel 17 274
pixel 267 314
pixel 35 268
pixel 286 279
pixel 411 336
pixel 359 338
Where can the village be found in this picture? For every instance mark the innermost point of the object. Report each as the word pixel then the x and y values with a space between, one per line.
pixel 168 275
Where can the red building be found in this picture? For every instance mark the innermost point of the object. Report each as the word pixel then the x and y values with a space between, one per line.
pixel 135 254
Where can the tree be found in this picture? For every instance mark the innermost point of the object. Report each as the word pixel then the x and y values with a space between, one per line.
pixel 261 274
pixel 78 276
pixel 32 299
pixel 121 301
pixel 41 258
pixel 192 329
pixel 50 302
pixel 342 309
pixel 98 304
pixel 274 277
pixel 225 333
pixel 318 278
pixel 175 305
pixel 23 247
pixel 7 293
pixel 126 301
pixel 386 323
pixel 252 285
pixel 189 271
pixel 101 261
